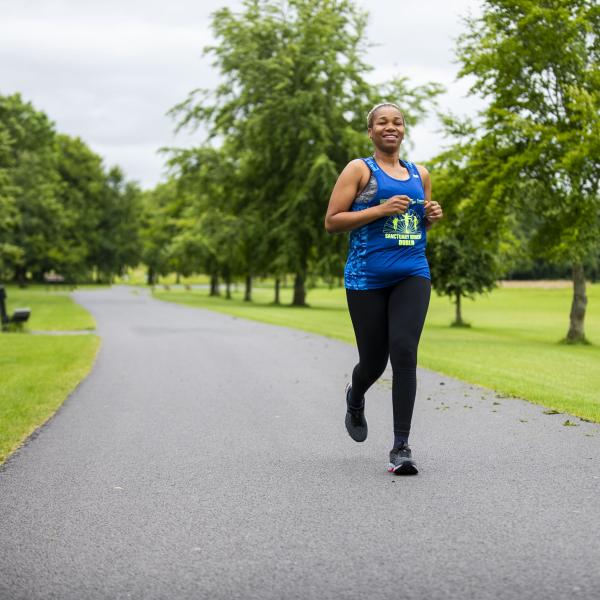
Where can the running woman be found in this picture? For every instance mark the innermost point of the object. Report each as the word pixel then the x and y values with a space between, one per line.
pixel 386 204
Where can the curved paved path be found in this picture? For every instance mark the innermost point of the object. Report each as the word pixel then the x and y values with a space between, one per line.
pixel 205 457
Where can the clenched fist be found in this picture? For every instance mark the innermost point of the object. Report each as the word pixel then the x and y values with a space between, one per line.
pixel 433 211
pixel 396 205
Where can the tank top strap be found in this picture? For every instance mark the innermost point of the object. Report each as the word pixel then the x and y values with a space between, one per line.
pixel 370 162
pixel 411 168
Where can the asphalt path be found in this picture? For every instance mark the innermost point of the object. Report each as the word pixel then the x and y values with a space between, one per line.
pixel 205 457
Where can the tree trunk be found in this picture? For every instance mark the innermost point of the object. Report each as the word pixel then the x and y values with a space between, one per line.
pixel 277 291
pixel 299 290
pixel 150 276
pixel 248 289
pixel 228 286
pixel 458 321
pixel 177 278
pixel 214 285
pixel 20 276
pixel 576 333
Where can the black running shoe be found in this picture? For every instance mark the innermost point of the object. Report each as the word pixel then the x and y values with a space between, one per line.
pixel 356 424
pixel 401 461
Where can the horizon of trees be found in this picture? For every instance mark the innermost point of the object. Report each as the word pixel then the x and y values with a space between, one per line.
pixel 61 210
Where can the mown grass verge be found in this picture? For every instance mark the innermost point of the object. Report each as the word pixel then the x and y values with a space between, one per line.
pixel 37 372
pixel 52 309
pixel 512 346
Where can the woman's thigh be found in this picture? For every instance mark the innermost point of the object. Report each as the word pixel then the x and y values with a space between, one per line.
pixel 407 309
pixel 369 314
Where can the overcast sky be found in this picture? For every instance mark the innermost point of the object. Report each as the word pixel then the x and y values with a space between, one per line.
pixel 109 70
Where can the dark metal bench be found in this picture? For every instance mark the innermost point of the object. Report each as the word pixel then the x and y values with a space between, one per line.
pixel 19 316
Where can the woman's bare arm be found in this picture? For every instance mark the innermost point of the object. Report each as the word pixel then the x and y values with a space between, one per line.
pixel 351 181
pixel 433 211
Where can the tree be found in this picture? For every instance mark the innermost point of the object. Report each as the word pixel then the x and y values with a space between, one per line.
pixel 460 268
pixel 119 244
pixel 31 182
pixel 213 223
pixel 161 214
pixel 538 66
pixel 467 250
pixel 81 193
pixel 10 254
pixel 291 108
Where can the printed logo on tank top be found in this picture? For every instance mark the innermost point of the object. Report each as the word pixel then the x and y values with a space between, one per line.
pixel 406 228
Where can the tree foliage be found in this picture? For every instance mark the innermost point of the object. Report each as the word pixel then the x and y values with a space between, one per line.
pixel 463 250
pixel 59 209
pixel 537 64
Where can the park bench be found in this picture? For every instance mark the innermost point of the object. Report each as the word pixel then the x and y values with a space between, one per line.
pixel 19 316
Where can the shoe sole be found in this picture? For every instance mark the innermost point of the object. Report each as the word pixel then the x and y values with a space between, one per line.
pixel 406 468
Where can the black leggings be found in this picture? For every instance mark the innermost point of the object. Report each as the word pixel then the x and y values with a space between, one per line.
pixel 388 323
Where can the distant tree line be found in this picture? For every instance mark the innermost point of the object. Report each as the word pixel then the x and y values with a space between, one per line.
pixel 61 210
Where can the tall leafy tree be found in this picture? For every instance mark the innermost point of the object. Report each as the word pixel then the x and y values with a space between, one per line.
pixel 10 254
pixel 537 63
pixel 292 106
pixel 119 243
pixel 31 180
pixel 463 260
pixel 476 243
pixel 212 227
pixel 82 194
pixel 161 215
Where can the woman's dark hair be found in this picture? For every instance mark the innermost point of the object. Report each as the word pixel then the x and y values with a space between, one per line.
pixel 372 112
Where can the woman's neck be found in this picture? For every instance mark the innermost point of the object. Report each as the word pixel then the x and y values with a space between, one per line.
pixel 386 158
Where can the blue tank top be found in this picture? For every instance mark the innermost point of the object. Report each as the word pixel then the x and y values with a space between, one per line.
pixel 390 249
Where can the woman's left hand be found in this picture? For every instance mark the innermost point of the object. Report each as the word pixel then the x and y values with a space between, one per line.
pixel 433 211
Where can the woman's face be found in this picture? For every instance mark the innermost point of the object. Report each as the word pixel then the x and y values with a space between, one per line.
pixel 387 131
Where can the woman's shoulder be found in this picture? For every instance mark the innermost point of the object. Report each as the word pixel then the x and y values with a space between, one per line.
pixel 357 168
pixel 358 164
pixel 422 169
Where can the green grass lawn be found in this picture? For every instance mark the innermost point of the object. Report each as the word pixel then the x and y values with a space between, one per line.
pixel 512 345
pixel 52 309
pixel 37 372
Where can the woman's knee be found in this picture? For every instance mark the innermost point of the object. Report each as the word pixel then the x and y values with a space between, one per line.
pixel 403 353
pixel 373 369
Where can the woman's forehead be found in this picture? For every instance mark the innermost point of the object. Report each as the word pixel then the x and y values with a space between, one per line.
pixel 388 111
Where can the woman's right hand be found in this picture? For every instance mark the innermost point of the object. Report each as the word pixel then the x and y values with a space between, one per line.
pixel 394 205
